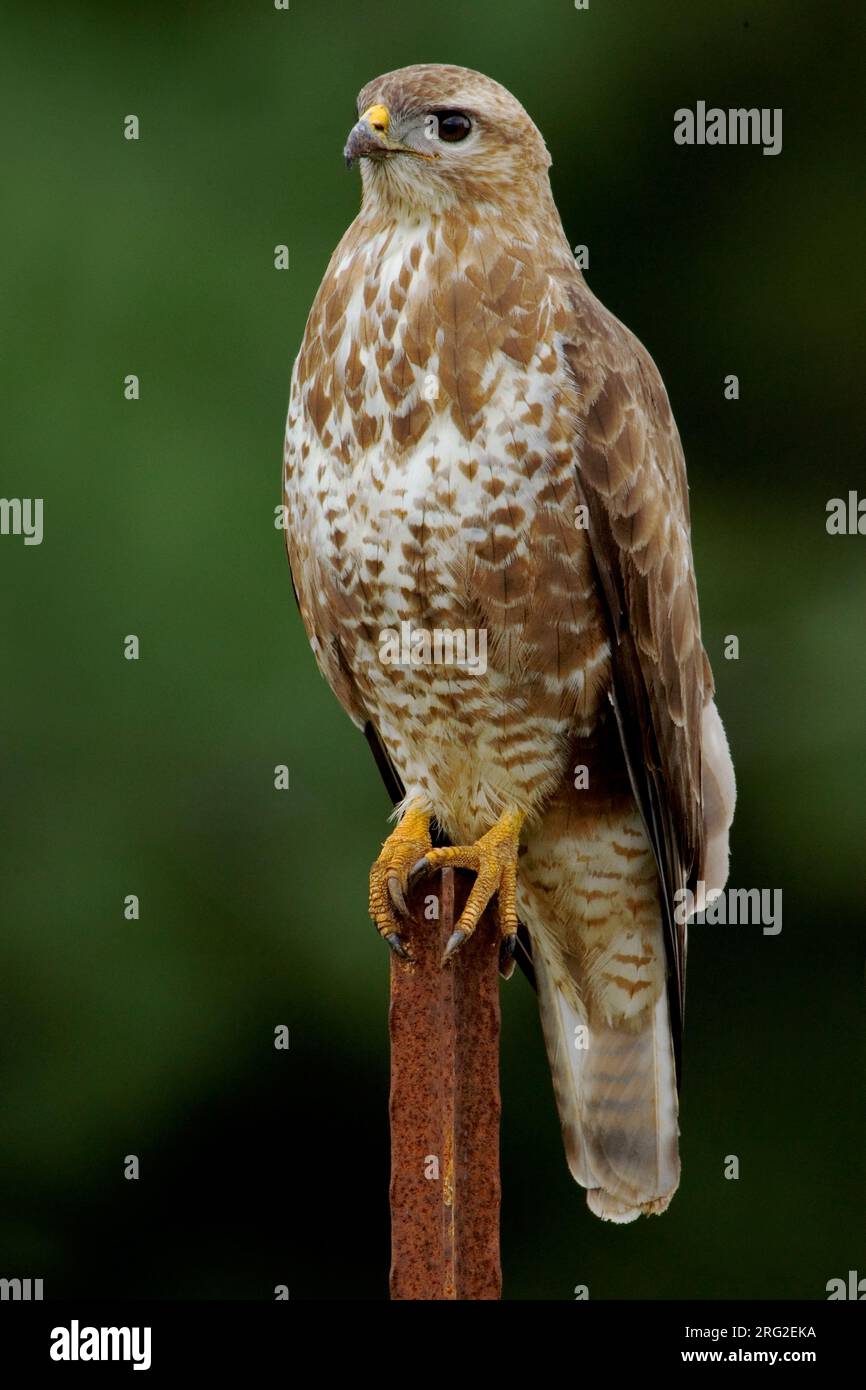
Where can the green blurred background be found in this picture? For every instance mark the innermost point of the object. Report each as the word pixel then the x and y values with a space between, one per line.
pixel 156 777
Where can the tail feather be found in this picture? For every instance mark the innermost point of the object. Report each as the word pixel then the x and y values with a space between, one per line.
pixel 616 1094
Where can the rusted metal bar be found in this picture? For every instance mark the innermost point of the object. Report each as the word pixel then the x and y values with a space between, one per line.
pixel 445 1106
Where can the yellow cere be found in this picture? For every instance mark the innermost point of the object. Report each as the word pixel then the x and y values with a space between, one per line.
pixel 378 118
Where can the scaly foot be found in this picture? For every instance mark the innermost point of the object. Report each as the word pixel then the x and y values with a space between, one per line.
pixel 493 859
pixel 389 876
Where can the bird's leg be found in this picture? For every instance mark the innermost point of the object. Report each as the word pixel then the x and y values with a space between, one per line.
pixel 389 876
pixel 493 859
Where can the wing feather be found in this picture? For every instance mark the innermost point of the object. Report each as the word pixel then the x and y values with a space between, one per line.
pixel 632 478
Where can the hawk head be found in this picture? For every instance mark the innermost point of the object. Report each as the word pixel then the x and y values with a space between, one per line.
pixel 433 136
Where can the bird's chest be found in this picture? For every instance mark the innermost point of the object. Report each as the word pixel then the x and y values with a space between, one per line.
pixel 461 525
pixel 434 484
pixel 435 440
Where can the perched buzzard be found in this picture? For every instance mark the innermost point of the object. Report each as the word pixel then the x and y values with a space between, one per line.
pixel 477 451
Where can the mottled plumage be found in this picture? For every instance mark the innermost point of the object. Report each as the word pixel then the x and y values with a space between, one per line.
pixel 475 443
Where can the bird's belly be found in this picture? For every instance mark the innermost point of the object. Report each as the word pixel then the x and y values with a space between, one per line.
pixel 468 613
pixel 482 651
pixel 471 745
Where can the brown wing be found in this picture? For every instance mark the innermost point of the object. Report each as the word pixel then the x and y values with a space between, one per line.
pixel 631 474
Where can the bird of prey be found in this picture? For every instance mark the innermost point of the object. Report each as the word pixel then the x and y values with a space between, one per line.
pixel 477 451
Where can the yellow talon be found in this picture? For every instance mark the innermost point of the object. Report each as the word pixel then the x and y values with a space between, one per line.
pixel 493 859
pixel 389 876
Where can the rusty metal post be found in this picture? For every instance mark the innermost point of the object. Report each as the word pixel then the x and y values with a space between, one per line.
pixel 445 1107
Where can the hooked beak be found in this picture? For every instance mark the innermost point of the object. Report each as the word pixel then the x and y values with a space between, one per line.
pixel 363 143
pixel 369 138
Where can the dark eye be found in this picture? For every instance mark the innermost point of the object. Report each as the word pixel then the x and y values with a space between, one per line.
pixel 453 126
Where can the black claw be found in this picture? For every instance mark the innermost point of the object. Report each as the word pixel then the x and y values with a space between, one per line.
pixel 507 950
pixel 396 944
pixel 395 893
pixel 455 941
pixel 419 870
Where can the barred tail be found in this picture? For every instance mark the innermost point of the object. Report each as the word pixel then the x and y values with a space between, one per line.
pixel 617 1099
